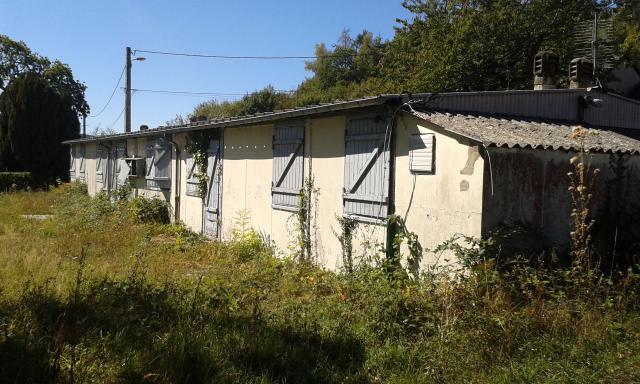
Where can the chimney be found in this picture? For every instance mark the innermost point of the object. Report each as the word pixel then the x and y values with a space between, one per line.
pixel 545 69
pixel 144 127
pixel 581 73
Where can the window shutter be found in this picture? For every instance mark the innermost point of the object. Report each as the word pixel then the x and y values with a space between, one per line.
pixel 422 153
pixel 100 168
pixel 82 161
pixel 192 181
pixel 288 166
pixel 158 161
pixel 366 173
pixel 150 161
pixel 212 199
pixel 72 163
pixel 121 165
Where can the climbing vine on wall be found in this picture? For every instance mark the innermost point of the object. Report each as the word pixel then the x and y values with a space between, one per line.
pixel 197 146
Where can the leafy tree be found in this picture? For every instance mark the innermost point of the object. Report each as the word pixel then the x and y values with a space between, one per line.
pixel 264 100
pixel 16 59
pixel 34 120
pixel 476 45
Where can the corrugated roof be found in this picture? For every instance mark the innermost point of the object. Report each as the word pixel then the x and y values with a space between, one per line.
pixel 247 119
pixel 522 133
pixel 547 105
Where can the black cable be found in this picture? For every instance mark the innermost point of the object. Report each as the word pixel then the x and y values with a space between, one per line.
pixel 112 93
pixel 198 93
pixel 253 57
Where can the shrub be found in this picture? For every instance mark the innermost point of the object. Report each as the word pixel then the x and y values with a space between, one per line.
pixel 147 210
pixel 15 181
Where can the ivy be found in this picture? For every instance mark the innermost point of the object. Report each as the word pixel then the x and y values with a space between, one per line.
pixel 197 145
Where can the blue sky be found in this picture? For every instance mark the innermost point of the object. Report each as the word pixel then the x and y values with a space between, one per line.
pixel 91 37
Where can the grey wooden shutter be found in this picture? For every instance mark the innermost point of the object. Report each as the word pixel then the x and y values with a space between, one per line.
pixel 288 166
pixel 366 169
pixel 212 199
pixel 100 161
pixel 83 162
pixel 192 181
pixel 421 153
pixel 121 174
pixel 158 162
pixel 72 163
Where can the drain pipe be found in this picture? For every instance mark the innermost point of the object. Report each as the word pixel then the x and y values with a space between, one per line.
pixel 177 180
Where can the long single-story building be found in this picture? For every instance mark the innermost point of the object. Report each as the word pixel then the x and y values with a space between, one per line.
pixel 450 163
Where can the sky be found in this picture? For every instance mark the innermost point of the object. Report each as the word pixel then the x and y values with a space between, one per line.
pixel 91 36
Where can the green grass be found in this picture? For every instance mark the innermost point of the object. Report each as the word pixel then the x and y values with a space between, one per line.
pixel 94 295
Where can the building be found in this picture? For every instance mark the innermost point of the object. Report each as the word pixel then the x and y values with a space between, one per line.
pixel 447 163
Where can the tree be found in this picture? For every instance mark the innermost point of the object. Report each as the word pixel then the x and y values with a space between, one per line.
pixel 16 59
pixel 478 45
pixel 34 120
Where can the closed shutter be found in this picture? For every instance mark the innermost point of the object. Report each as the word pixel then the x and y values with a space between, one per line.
pixel 192 181
pixel 212 199
pixel 421 153
pixel 100 168
pixel 158 162
pixel 288 166
pixel 121 174
pixel 72 163
pixel 83 162
pixel 366 172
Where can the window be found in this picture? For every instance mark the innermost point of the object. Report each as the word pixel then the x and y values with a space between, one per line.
pixel 158 163
pixel 366 169
pixel 288 166
pixel 421 153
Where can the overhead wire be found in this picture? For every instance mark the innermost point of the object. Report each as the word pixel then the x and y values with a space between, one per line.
pixel 112 93
pixel 251 57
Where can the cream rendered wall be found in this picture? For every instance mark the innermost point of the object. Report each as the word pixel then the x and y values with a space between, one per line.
pixel 190 206
pixel 246 183
pixel 325 156
pixel 439 205
pixel 90 168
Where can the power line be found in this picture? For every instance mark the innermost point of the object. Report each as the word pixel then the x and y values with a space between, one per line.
pixel 117 119
pixel 112 93
pixel 199 93
pixel 254 57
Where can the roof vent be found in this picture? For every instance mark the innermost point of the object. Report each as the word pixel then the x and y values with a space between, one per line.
pixel 144 127
pixel 581 73
pixel 545 70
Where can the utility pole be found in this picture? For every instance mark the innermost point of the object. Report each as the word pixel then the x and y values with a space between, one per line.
pixel 84 125
pixel 127 93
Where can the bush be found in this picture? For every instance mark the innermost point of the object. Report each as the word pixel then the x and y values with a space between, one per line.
pixel 147 210
pixel 15 181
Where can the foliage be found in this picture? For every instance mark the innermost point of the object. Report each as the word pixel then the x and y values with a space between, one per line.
pixel 15 181
pixel 149 210
pixel 306 213
pixel 34 120
pixel 581 184
pixel 348 226
pixel 83 300
pixel 16 59
pixel 247 243
pixel 197 146
pixel 446 46
pixel 264 100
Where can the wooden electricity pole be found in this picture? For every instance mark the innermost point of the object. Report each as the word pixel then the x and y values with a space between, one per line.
pixel 127 93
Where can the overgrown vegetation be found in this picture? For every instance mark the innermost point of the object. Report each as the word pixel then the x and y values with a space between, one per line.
pixel 96 295
pixel 15 181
